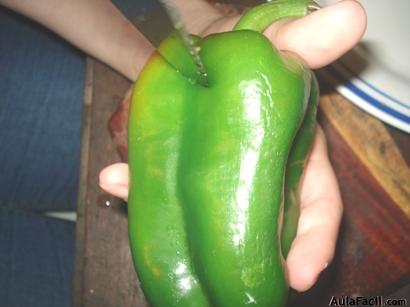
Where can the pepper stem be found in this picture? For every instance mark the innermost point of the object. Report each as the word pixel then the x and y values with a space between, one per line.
pixel 260 17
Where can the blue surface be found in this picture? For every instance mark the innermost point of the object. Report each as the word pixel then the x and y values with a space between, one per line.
pixel 41 100
pixel 36 260
pixel 41 94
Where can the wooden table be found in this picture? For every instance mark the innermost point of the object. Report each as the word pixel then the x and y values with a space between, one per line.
pixel 372 165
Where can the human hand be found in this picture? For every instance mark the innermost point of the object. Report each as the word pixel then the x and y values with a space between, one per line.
pixel 319 39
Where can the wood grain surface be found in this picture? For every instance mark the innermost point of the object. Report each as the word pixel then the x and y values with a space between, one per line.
pixel 371 161
pixel 104 273
pixel 371 142
pixel 373 248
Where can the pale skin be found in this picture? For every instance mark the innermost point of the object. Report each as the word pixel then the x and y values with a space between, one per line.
pixel 98 28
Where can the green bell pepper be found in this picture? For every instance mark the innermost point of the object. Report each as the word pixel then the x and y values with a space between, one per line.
pixel 211 166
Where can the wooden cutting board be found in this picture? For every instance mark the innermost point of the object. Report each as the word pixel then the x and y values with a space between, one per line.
pixel 371 163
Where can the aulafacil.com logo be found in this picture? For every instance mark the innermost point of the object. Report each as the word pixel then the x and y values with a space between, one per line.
pixel 366 301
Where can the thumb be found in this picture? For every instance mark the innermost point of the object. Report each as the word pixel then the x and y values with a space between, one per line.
pixel 114 179
pixel 322 36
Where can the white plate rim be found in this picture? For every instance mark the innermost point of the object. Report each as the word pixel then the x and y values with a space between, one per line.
pixel 368 97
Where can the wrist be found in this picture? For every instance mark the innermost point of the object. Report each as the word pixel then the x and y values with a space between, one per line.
pixel 202 18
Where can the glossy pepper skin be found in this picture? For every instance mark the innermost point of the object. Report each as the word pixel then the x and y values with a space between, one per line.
pixel 208 168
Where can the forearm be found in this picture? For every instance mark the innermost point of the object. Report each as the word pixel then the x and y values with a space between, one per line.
pixel 99 28
pixel 95 26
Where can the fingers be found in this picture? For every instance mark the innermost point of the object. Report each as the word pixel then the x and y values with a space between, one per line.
pixel 114 179
pixel 321 212
pixel 322 36
pixel 304 262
